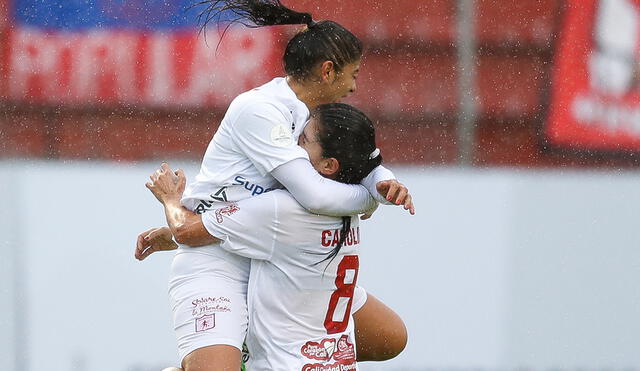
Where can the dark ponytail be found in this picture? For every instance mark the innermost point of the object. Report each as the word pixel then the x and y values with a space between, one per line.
pixel 252 13
pixel 347 134
pixel 320 41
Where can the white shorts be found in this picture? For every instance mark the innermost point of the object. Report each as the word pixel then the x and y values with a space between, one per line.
pixel 359 298
pixel 208 298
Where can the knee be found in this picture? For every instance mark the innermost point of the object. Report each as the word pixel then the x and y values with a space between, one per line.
pixel 397 341
pixel 393 341
pixel 387 343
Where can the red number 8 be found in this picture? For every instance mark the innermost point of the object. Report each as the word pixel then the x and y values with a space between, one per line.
pixel 343 290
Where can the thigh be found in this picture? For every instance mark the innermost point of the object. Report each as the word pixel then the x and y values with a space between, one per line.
pixel 213 358
pixel 380 332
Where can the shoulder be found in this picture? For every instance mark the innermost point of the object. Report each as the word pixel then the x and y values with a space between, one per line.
pixel 288 208
pixel 285 201
pixel 263 100
pixel 257 105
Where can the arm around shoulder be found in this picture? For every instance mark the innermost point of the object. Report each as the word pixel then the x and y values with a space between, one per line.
pixel 322 195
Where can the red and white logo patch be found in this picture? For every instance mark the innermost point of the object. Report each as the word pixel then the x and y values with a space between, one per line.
pixel 342 351
pixel 205 322
pixel 319 351
pixel 228 211
pixel 345 351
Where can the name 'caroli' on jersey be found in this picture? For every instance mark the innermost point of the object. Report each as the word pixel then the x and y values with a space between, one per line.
pixel 332 237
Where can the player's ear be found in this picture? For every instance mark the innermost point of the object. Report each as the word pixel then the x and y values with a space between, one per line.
pixel 327 71
pixel 329 167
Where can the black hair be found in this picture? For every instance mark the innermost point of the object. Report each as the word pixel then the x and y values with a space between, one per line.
pixel 346 134
pixel 318 42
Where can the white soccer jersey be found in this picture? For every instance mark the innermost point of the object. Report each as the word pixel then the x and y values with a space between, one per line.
pixel 299 307
pixel 259 132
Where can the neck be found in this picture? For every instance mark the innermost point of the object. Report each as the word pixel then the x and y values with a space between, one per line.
pixel 307 92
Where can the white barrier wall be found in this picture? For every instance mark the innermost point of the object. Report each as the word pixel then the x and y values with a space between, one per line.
pixel 499 269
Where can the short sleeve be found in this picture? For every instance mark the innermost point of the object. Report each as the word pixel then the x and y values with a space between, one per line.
pixel 246 228
pixel 263 132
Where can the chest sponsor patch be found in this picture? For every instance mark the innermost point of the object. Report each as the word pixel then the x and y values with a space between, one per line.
pixel 228 211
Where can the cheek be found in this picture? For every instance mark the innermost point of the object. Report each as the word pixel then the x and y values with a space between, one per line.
pixel 315 154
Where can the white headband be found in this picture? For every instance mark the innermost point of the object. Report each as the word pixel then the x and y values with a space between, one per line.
pixel 374 154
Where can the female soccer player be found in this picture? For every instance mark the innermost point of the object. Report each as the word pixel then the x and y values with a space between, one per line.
pixel 304 266
pixel 255 150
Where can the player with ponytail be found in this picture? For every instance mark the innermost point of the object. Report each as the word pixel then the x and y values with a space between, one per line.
pixel 255 150
pixel 294 298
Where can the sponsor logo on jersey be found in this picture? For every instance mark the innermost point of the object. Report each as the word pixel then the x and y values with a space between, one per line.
pixel 220 195
pixel 228 211
pixel 281 136
pixel 332 237
pixel 321 351
pixel 341 351
pixel 338 366
pixel 345 351
pixel 255 189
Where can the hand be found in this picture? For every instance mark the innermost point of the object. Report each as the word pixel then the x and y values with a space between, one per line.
pixel 166 184
pixel 396 193
pixel 155 239
pixel 369 212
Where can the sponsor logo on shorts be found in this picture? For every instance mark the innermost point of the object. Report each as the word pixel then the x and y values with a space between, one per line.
pixel 341 351
pixel 205 322
pixel 245 353
pixel 228 211
pixel 209 305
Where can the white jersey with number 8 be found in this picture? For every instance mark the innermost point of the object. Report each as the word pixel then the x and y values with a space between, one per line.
pixel 300 307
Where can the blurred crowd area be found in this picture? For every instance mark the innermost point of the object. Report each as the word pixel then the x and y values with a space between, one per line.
pixel 408 84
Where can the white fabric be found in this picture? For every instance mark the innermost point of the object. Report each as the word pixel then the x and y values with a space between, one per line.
pixel 359 299
pixel 232 169
pixel 378 174
pixel 258 133
pixel 289 292
pixel 208 306
pixel 321 195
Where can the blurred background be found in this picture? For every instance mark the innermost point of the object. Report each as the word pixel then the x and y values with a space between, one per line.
pixel 516 125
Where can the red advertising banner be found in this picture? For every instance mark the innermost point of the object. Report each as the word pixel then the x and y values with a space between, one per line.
pixel 60 60
pixel 4 14
pixel 595 91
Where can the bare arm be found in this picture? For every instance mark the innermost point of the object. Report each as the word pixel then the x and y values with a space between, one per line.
pixel 186 226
